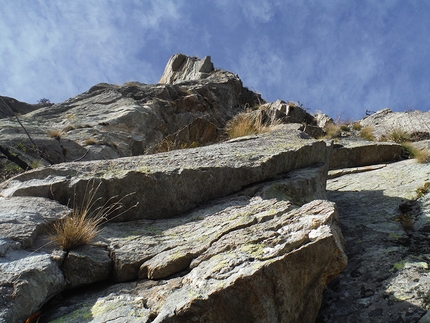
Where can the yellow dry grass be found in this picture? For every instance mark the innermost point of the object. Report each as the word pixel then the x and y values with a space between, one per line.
pixel 82 225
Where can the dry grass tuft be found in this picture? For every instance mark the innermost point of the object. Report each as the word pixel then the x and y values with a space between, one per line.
pixel 82 225
pixel 421 155
pixel 367 133
pixel 56 134
pixel 332 131
pixel 397 135
pixel 356 126
pixel 90 141
pixel 423 190
pixel 245 124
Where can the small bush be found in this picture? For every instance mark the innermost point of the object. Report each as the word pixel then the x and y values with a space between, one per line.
pixel 367 133
pixel 406 221
pixel 241 125
pixel 245 124
pixel 345 128
pixel 398 135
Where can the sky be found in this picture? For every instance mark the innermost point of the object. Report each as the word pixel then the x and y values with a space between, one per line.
pixel 341 57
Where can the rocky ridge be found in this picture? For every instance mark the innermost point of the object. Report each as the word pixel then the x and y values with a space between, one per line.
pixel 243 230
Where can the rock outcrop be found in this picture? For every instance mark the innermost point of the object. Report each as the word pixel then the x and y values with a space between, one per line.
pixel 110 121
pixel 168 184
pixel 387 278
pixel 384 122
pixel 244 230
pixel 182 68
pixel 250 210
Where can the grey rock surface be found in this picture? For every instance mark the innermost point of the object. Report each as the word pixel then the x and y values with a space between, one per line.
pixel 182 68
pixel 131 119
pixel 349 153
pixel 385 121
pixel 168 184
pixel 387 277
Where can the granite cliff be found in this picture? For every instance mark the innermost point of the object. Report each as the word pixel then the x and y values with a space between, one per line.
pixel 215 230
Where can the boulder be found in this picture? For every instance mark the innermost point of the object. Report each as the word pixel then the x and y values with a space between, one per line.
pixel 182 68
pixel 349 153
pixel 167 184
pixel 322 119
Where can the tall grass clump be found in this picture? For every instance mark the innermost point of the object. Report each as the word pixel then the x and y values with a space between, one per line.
pixel 397 135
pixel 367 133
pixel 82 225
pixel 421 155
pixel 245 124
pixel 332 131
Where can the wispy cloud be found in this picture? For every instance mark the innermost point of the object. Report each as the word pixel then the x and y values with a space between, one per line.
pixel 341 57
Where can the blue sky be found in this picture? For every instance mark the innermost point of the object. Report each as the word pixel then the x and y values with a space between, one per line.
pixel 340 57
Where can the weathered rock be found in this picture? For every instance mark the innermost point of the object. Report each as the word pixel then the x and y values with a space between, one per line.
pixel 27 281
pixel 355 153
pixel 86 265
pixel 322 119
pixel 234 277
pixel 130 119
pixel 10 106
pixel 22 219
pixel 168 184
pixel 171 245
pixel 182 68
pixel 385 121
pixel 387 278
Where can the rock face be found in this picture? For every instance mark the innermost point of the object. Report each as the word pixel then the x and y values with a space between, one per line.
pixel 387 278
pixel 384 122
pixel 111 121
pixel 206 264
pixel 168 184
pixel 238 231
pixel 355 153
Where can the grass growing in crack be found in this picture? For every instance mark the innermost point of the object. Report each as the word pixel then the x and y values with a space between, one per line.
pixel 82 225
pixel 421 155
pixel 245 124
pixel 56 134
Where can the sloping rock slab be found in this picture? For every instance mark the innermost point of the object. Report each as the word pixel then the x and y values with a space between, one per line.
pixel 386 121
pixel 356 153
pixel 387 278
pixel 168 184
pixel 156 249
pixel 271 269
